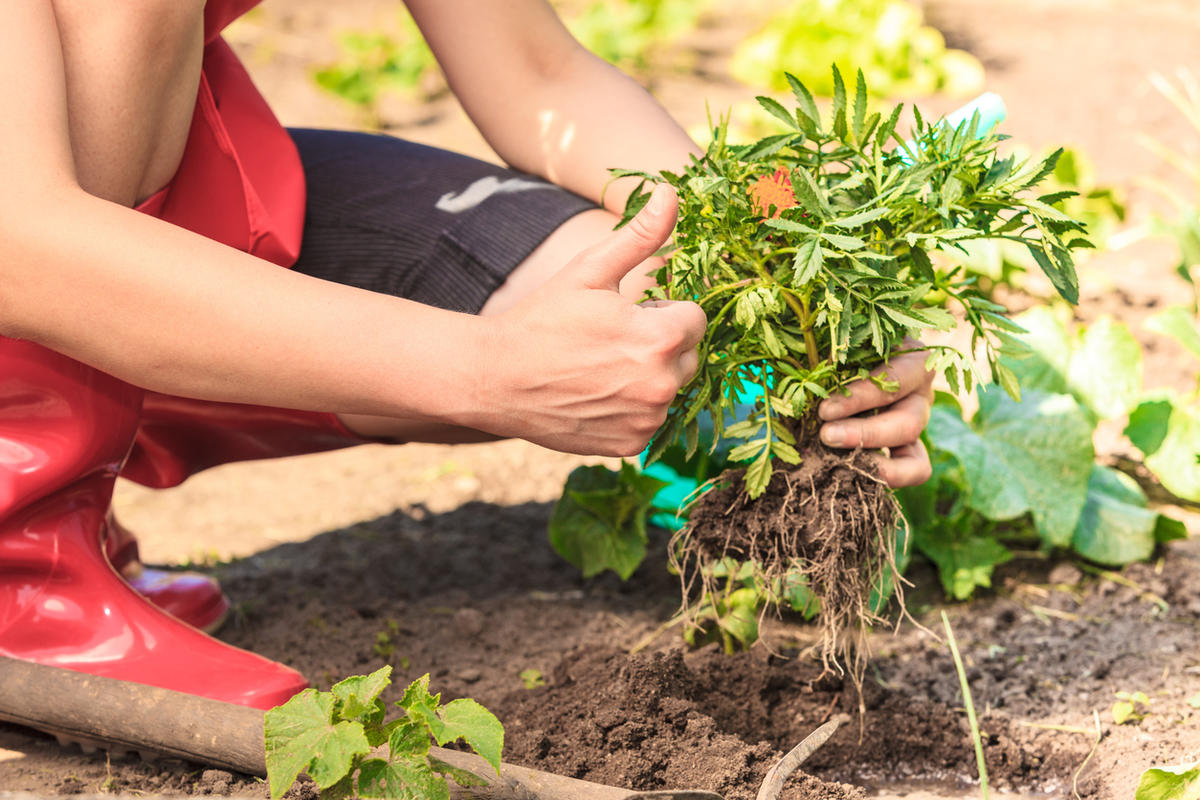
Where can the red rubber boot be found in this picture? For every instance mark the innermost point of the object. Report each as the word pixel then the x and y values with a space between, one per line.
pixel 189 596
pixel 65 430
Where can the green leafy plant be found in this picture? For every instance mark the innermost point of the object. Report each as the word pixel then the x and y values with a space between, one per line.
pixel 330 736
pixel 599 522
pixel 813 253
pixel 1025 474
pixel 1130 707
pixel 886 39
pixel 636 35
pixel 1100 207
pixel 532 678
pixel 374 63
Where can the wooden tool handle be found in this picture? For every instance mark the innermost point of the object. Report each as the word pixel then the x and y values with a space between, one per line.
pixel 138 717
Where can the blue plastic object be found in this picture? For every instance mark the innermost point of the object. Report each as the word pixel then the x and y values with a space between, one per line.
pixel 680 488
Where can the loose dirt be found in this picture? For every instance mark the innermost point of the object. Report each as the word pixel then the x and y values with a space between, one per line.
pixel 434 559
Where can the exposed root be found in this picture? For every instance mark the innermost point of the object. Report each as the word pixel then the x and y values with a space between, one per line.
pixel 831 519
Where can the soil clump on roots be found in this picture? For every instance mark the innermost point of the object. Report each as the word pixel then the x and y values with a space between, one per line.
pixel 830 518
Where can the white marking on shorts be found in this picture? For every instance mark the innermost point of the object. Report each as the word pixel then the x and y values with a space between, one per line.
pixel 482 189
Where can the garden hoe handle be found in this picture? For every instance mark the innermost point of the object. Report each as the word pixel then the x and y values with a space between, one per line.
pixel 135 716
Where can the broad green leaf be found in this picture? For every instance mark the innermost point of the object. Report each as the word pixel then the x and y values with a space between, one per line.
pixel 1148 424
pixel 1105 370
pixel 599 522
pixel 301 736
pixel 1034 456
pixel 1169 783
pixel 467 720
pixel 1102 367
pixel 356 695
pixel 401 779
pixel 1176 459
pixel 964 559
pixel 1179 323
pixel 1115 527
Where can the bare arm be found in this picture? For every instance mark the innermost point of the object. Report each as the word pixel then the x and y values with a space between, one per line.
pixel 169 310
pixel 544 103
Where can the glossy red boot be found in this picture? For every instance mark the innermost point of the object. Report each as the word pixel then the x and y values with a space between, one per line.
pixel 65 430
pixel 192 597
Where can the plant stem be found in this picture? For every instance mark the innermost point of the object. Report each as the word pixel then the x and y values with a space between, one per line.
pixel 966 690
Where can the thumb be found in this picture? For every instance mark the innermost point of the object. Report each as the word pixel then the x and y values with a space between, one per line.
pixel 602 265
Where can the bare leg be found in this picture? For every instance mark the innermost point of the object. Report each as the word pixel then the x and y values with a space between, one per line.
pixel 574 235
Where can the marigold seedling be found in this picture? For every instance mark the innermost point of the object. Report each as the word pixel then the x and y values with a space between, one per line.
pixel 818 254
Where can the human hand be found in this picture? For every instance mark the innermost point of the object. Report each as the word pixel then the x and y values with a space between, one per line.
pixel 897 423
pixel 579 368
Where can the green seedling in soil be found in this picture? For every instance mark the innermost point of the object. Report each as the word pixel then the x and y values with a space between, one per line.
pixel 384 646
pixel 1131 707
pixel 532 678
pixel 888 39
pixel 812 253
pixel 330 736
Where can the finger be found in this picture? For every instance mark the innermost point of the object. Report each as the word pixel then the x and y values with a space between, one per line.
pixel 907 369
pixel 604 264
pixel 683 319
pixel 689 362
pixel 899 425
pixel 908 465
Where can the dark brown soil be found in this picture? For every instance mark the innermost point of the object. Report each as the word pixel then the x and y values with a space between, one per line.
pixel 434 559
pixel 830 518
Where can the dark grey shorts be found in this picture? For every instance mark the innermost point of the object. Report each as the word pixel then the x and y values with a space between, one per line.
pixel 416 222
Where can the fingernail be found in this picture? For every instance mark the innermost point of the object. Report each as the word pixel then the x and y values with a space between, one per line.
pixel 658 200
pixel 829 409
pixel 834 435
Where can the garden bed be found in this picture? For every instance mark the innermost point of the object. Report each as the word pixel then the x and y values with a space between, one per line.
pixel 435 559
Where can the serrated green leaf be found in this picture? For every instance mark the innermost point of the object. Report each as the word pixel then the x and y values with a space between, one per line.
pixel 758 474
pixel 847 243
pixel 780 223
pixel 301 736
pixel 860 218
pixel 860 106
pixel 804 101
pixel 808 262
pixel 775 109
pixel 1008 381
pixel 1029 457
pixel 810 196
pixel 747 451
